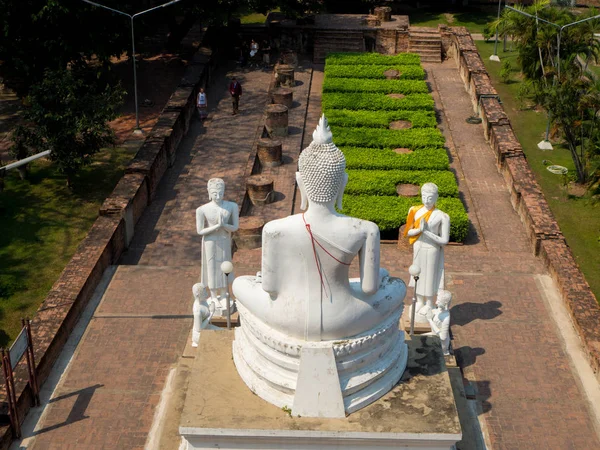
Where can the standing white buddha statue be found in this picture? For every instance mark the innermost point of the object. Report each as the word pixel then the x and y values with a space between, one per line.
pixel 428 230
pixel 215 221
pixel 305 301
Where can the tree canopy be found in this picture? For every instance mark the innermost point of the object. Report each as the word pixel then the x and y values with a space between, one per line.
pixel 560 80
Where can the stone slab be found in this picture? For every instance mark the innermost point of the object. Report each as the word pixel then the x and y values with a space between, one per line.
pixel 419 412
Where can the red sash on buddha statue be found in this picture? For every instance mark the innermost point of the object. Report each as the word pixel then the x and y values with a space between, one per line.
pixel 412 224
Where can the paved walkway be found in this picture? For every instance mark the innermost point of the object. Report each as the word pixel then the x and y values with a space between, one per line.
pixel 504 335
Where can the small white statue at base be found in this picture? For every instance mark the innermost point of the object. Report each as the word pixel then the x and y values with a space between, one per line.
pixel 215 221
pixel 428 230
pixel 439 319
pixel 202 311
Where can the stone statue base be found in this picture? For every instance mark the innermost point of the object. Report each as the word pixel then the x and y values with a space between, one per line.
pixel 221 307
pixel 363 367
pixel 417 413
pixel 420 328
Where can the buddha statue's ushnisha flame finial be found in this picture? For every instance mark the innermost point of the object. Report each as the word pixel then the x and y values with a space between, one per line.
pixel 322 134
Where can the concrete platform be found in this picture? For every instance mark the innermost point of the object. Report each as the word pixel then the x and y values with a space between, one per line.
pixel 221 412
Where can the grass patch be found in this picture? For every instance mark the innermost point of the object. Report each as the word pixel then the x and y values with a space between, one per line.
pixel 248 17
pixel 474 21
pixel 579 218
pixel 42 224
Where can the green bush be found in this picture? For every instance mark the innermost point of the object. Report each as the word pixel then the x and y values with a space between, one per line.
pixel 376 102
pixel 412 72
pixel 379 119
pixel 387 159
pixel 383 86
pixel 383 182
pixel 412 138
pixel 372 58
pixel 390 212
pixel 505 71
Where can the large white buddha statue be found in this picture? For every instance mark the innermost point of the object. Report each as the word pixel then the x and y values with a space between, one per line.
pixel 302 314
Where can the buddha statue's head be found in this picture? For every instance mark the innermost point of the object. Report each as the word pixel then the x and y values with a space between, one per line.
pixel 429 195
pixel 216 189
pixel 321 172
pixel 443 299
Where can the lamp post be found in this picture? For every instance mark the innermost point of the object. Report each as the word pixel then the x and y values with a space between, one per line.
pixel 137 130
pixel 495 56
pixel 227 268
pixel 545 144
pixel 414 271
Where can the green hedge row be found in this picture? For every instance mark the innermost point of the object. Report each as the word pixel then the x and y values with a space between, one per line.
pixel 412 72
pixel 376 102
pixel 383 182
pixel 387 159
pixel 380 86
pixel 390 212
pixel 379 119
pixel 372 58
pixel 412 138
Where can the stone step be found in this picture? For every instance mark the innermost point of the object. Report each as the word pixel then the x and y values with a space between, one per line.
pixel 424 38
pixel 425 51
pixel 431 59
pixel 423 30
pixel 431 45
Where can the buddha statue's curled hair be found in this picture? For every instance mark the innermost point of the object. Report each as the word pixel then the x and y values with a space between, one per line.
pixel 322 165
pixel 216 183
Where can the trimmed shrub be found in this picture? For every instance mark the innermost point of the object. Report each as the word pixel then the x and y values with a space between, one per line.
pixel 379 119
pixel 381 138
pixel 411 72
pixel 373 58
pixel 383 86
pixel 387 159
pixel 376 102
pixel 390 212
pixel 383 182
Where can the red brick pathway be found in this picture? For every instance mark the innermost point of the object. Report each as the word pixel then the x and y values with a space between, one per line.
pixel 503 333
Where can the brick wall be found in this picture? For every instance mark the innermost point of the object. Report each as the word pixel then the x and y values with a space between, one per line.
pixel 108 237
pixel 527 198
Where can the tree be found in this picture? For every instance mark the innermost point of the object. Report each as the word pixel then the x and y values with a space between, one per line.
pixel 40 35
pixel 572 98
pixel 68 114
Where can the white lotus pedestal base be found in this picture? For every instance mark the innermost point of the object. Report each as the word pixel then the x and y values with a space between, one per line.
pixel 220 411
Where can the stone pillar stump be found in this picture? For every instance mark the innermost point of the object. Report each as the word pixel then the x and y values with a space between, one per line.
pixel 276 120
pixel 269 152
pixel 285 75
pixel 249 233
pixel 373 21
pixel 260 189
pixel 282 96
pixel 383 13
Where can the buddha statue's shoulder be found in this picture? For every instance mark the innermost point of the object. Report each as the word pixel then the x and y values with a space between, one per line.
pixel 285 224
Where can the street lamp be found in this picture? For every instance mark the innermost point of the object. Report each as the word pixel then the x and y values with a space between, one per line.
pixel 545 144
pixel 137 130
pixel 414 271
pixel 227 268
pixel 495 56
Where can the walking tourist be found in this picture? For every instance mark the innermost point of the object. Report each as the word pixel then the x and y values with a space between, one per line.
pixel 235 89
pixel 202 104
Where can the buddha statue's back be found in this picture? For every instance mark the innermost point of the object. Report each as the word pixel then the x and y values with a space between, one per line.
pixel 305 300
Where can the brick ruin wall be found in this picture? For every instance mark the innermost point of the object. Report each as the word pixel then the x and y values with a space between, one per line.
pixel 527 198
pixel 108 237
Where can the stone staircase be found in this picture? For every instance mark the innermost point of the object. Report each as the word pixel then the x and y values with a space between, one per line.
pixel 427 43
pixel 327 41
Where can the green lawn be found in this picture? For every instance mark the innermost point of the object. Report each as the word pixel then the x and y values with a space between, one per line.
pixel 253 18
pixel 474 21
pixel 42 223
pixel 579 218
